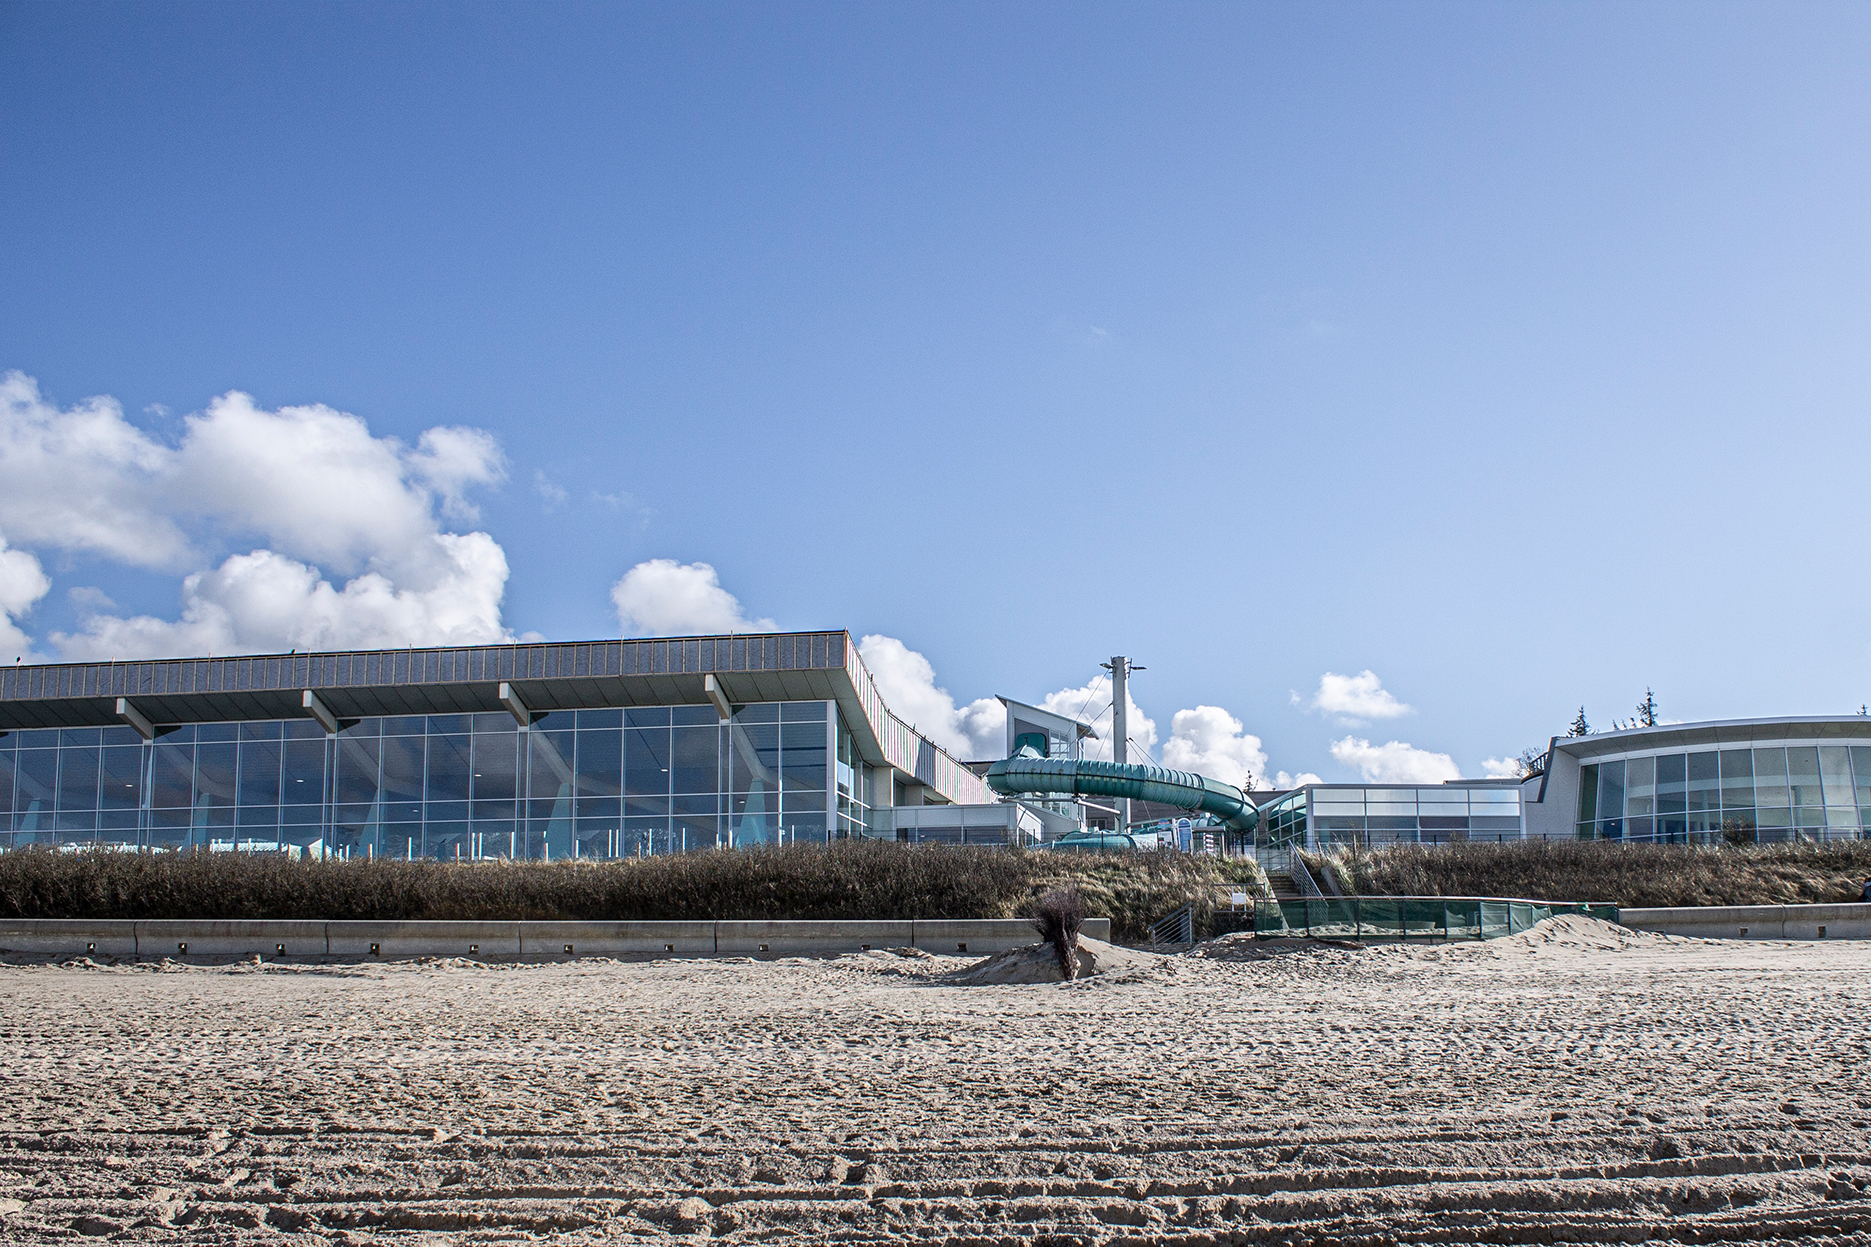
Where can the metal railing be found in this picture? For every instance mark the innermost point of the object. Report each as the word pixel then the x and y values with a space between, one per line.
pixel 1410 917
pixel 1275 859
pixel 1176 929
pixel 1303 880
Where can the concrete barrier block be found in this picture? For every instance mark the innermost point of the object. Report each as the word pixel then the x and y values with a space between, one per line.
pixel 234 937
pixel 968 937
pixel 807 938
pixel 389 941
pixel 1755 922
pixel 1828 922
pixel 69 937
pixel 1719 922
pixel 550 940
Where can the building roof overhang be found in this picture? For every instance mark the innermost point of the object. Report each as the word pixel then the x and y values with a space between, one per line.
pixel 547 676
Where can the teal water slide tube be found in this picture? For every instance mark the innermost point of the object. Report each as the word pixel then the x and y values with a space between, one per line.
pixel 1183 789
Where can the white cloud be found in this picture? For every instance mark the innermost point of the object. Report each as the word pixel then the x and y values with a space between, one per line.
pixel 1500 768
pixel 552 495
pixel 450 459
pixel 311 483
pixel 1210 741
pixel 264 601
pixel 907 683
pixel 22 582
pixel 1394 762
pixel 662 597
pixel 1284 780
pixel 1355 699
pixel 317 486
pixel 83 479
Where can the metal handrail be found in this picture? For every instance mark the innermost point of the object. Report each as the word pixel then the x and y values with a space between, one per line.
pixel 1175 929
pixel 1303 880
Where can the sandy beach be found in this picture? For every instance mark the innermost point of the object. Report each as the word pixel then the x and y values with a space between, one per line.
pixel 1576 1083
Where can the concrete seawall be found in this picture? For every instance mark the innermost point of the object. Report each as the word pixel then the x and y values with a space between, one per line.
pixel 1755 922
pixel 310 940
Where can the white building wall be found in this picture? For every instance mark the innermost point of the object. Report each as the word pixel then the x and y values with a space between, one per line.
pixel 1552 818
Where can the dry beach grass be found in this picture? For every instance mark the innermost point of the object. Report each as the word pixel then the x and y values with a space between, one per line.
pixel 850 879
pixel 1630 875
pixel 1576 1083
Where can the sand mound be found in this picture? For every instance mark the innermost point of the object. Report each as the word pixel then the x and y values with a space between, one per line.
pixel 1575 931
pixel 1037 963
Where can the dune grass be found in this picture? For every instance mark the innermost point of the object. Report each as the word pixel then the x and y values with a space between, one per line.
pixel 853 879
pixel 1633 876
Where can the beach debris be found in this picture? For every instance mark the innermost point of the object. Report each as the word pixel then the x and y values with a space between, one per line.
pixel 1058 917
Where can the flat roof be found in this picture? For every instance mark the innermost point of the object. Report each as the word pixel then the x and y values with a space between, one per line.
pixel 776 666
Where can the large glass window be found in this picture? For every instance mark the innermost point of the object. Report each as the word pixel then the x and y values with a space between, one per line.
pixel 259 764
pixel 35 789
pixel 1772 798
pixel 172 771
pixel 7 758
pixel 400 778
pixel 495 790
pixel 120 778
pixel 1804 783
pixel 1611 800
pixel 1588 801
pixel 550 784
pixel 1835 773
pixel 1737 779
pixel 1704 782
pixel 1640 787
pixel 694 762
pixel 646 761
pixel 604 782
pixel 449 770
pixel 77 787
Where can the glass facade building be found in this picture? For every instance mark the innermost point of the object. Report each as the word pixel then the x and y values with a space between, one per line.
pixel 612 782
pixel 545 751
pixel 1322 817
pixel 1764 793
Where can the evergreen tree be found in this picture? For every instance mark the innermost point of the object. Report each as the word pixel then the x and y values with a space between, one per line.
pixel 1579 726
pixel 1647 709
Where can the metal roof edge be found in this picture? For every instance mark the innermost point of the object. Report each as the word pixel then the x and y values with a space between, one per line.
pixel 1632 738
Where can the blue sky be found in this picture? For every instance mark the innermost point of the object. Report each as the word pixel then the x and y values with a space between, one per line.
pixel 1515 354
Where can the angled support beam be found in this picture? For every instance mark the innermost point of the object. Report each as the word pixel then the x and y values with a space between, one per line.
pixel 320 711
pixel 510 698
pixel 129 714
pixel 712 687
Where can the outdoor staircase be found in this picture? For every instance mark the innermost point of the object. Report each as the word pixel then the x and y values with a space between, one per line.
pixel 1284 889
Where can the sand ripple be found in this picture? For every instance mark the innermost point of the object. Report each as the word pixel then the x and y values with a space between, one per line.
pixel 1574 1084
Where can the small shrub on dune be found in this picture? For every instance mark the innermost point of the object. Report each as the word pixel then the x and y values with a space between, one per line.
pixel 1058 917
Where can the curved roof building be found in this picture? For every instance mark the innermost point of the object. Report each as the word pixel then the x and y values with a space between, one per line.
pixel 1743 780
